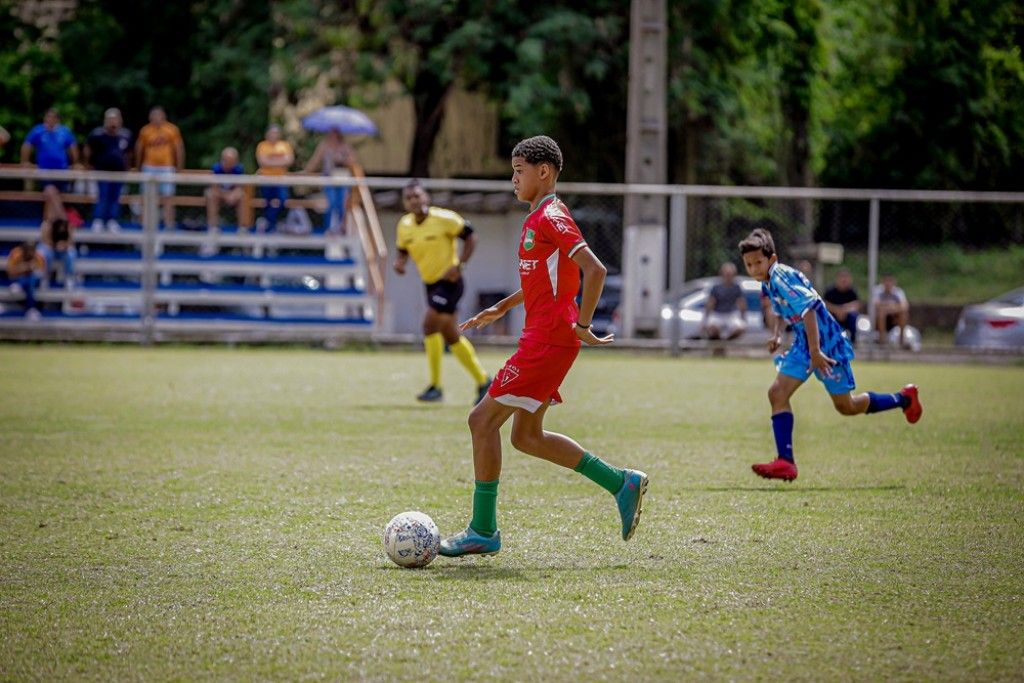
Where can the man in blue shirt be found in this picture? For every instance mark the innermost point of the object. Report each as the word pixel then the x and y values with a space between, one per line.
pixel 819 347
pixel 223 193
pixel 55 148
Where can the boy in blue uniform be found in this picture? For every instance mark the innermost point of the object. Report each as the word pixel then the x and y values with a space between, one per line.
pixel 818 346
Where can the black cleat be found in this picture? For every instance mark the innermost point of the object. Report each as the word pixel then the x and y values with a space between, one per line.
pixel 481 390
pixel 430 395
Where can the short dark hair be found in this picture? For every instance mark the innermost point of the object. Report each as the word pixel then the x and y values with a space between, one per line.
pixel 413 182
pixel 538 150
pixel 758 240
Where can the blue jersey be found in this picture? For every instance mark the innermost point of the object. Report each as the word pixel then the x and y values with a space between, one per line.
pixel 51 145
pixel 792 295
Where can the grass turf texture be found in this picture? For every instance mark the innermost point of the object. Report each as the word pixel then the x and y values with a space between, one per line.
pixel 216 514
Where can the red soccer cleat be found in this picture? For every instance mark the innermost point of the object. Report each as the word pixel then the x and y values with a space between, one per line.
pixel 776 469
pixel 913 410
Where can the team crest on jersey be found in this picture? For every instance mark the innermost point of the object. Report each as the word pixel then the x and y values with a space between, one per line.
pixel 509 373
pixel 528 241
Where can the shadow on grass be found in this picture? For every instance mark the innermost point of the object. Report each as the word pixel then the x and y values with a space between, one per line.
pixel 794 489
pixel 484 571
pixel 411 407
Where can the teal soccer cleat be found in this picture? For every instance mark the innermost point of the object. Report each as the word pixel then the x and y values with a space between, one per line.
pixel 630 499
pixel 469 542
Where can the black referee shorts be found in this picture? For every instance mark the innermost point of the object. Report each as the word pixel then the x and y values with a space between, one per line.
pixel 443 296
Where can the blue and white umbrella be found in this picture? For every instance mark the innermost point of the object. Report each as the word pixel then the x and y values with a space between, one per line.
pixel 345 120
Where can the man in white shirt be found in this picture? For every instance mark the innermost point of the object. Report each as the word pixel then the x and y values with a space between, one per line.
pixel 891 309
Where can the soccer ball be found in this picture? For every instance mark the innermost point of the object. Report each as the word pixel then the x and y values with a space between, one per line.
pixel 412 540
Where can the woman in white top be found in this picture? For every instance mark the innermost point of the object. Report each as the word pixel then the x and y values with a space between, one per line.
pixel 333 157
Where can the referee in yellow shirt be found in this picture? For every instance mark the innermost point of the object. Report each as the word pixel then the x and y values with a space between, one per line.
pixel 427 234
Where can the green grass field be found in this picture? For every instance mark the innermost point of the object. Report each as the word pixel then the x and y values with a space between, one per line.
pixel 214 513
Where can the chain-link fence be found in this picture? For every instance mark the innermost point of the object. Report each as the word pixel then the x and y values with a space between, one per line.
pixel 943 250
pixel 938 252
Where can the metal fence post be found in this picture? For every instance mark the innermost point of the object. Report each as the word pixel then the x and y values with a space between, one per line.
pixel 676 265
pixel 873 217
pixel 150 216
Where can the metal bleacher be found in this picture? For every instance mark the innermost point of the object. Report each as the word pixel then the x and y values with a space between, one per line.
pixel 176 284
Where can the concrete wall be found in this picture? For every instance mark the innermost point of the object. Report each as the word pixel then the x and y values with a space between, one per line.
pixel 493 267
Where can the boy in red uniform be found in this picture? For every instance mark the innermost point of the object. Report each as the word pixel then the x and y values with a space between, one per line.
pixel 552 252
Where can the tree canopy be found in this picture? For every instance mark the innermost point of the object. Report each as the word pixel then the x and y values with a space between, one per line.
pixel 913 93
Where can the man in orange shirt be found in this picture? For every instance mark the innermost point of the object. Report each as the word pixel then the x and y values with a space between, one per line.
pixel 160 150
pixel 25 270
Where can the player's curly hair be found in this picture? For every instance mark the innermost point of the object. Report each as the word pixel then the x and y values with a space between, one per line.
pixel 539 149
pixel 758 240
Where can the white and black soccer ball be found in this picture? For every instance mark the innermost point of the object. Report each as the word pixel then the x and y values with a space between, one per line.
pixel 412 540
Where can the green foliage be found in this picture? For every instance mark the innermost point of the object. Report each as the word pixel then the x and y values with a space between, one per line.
pixel 205 62
pixel 33 79
pixel 934 94
pixel 911 93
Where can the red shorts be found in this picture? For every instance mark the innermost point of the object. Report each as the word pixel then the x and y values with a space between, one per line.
pixel 532 375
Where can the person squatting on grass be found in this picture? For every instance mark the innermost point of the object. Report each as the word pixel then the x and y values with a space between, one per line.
pixel 552 252
pixel 818 346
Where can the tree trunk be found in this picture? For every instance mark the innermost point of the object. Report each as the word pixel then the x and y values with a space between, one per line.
pixel 429 98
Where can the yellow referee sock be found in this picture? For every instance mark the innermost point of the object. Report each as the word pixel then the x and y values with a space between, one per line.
pixel 464 351
pixel 434 344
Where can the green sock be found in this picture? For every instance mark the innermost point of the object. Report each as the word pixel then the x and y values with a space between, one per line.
pixel 485 508
pixel 601 473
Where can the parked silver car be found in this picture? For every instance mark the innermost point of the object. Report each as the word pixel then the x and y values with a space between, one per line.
pixel 691 309
pixel 998 323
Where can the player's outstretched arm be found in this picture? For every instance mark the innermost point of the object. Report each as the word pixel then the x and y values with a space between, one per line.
pixel 495 312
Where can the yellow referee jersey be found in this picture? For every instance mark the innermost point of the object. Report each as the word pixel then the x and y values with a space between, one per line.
pixel 431 244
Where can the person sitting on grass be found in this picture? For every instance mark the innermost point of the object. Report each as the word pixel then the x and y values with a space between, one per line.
pixel 892 309
pixel 818 347
pixel 725 307
pixel 842 302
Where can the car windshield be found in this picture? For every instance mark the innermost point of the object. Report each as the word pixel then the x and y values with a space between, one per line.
pixel 1014 298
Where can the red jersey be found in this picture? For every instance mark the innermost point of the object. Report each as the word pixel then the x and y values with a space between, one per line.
pixel 550 279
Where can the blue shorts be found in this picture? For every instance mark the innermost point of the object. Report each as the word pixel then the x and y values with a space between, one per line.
pixel 796 363
pixel 165 189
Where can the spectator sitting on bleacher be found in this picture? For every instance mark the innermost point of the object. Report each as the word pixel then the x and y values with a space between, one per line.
pixel 108 148
pixel 725 307
pixel 892 309
pixel 55 149
pixel 25 270
pixel 274 156
pixel 160 150
pixel 842 302
pixel 228 194
pixel 57 244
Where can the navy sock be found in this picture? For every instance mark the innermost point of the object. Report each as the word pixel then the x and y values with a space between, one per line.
pixel 782 425
pixel 879 402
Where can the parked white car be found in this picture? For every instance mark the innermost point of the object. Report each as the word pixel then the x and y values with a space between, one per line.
pixel 691 309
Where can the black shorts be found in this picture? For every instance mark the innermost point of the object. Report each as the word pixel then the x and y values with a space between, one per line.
pixel 443 296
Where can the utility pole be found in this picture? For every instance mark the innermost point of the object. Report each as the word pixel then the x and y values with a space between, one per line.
pixel 645 216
